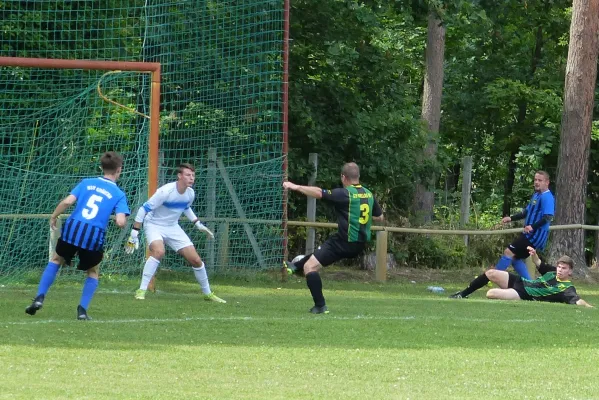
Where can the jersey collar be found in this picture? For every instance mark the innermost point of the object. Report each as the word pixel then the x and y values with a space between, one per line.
pixel 107 180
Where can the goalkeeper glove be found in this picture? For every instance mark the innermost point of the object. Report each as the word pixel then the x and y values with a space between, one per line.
pixel 133 241
pixel 203 228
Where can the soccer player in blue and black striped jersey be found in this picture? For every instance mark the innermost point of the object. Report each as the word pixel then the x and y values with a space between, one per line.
pixel 538 216
pixel 356 208
pixel 84 231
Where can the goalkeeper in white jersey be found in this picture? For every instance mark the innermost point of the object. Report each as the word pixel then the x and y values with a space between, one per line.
pixel 160 218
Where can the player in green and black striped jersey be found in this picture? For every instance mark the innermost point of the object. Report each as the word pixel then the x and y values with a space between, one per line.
pixel 553 285
pixel 356 208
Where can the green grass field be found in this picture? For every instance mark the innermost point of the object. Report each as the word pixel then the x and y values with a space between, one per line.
pixel 380 341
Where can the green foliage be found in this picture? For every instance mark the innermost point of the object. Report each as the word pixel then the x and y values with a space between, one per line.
pixel 354 82
pixel 503 91
pixel 433 251
pixel 446 251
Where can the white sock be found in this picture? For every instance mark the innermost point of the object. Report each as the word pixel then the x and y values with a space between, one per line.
pixel 202 278
pixel 149 271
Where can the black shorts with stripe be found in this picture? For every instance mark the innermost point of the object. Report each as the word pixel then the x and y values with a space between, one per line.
pixel 336 248
pixel 87 258
pixel 520 247
pixel 515 282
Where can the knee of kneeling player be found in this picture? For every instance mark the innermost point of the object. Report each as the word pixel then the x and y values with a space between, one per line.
pixel 492 294
pixel 492 274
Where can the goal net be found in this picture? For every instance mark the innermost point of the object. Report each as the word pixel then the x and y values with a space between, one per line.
pixel 55 125
pixel 221 108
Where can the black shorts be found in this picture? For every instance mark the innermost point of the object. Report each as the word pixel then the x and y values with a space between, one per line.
pixel 335 249
pixel 515 282
pixel 519 247
pixel 87 258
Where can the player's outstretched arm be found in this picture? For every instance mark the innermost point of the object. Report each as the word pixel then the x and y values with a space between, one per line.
pixel 534 256
pixel 60 208
pixel 312 191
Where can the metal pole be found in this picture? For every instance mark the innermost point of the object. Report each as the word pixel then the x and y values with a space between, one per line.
pixel 311 207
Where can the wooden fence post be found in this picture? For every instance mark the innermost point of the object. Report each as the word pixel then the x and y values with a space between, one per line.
pixel 381 255
pixel 466 184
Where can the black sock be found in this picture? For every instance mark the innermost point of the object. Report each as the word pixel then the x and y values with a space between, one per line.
pixel 315 285
pixel 476 284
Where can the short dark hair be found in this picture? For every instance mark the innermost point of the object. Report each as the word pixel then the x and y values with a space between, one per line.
pixel 351 171
pixel 183 166
pixel 544 173
pixel 111 161
pixel 566 260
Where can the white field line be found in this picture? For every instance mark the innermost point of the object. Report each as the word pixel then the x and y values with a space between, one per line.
pixel 261 319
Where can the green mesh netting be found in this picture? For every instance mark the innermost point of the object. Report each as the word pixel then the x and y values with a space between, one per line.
pixel 221 109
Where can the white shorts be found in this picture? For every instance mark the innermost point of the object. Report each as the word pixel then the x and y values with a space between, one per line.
pixel 173 236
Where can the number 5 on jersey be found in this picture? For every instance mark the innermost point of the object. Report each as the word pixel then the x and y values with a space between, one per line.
pixel 91 207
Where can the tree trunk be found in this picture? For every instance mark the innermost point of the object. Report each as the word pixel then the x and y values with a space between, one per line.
pixel 424 199
pixel 573 159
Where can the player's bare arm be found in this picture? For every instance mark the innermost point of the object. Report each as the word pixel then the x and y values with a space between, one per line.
pixel 312 191
pixel 121 220
pixel 534 256
pixel 60 208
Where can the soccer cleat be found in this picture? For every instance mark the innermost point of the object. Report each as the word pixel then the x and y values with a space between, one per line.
pixel 288 268
pixel 214 298
pixel 82 314
pixel 140 294
pixel 319 310
pixel 37 303
pixel 458 295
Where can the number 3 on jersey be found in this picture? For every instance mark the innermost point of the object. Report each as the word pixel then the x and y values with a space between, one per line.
pixel 364 214
pixel 91 207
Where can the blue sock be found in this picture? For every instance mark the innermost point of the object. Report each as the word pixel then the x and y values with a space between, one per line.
pixel 520 267
pixel 89 288
pixel 47 278
pixel 503 263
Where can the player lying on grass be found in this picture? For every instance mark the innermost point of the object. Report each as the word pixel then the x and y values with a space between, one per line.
pixel 83 232
pixel 356 207
pixel 553 285
pixel 160 218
